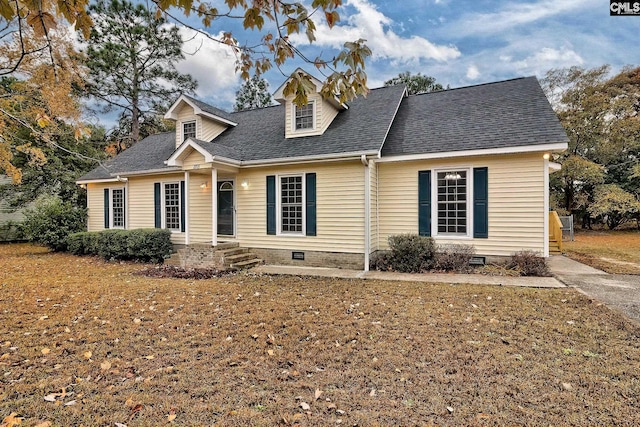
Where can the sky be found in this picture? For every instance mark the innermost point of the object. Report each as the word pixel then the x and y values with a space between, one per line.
pixel 458 42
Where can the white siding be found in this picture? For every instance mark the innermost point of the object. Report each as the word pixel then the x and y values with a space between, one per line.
pixel 516 201
pixel 324 115
pixel 200 208
pixel 206 129
pixel 339 208
pixel 373 174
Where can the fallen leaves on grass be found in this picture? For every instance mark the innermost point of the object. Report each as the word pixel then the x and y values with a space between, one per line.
pixel 235 350
pixel 166 271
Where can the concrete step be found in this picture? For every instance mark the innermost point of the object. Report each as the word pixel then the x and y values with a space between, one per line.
pixel 235 258
pixel 232 251
pixel 242 265
pixel 226 245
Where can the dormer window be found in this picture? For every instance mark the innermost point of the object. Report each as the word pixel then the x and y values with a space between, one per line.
pixel 188 130
pixel 304 116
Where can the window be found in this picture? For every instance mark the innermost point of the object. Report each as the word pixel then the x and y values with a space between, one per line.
pixel 304 116
pixel 188 130
pixel 117 208
pixel 291 198
pixel 452 187
pixel 114 207
pixel 172 206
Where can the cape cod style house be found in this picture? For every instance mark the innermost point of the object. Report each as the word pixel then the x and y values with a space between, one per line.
pixel 326 184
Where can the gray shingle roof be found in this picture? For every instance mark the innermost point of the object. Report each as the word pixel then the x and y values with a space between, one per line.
pixel 511 113
pixel 210 108
pixel 148 154
pixel 495 115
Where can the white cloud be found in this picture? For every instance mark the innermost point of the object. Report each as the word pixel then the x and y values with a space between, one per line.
pixel 473 72
pixel 370 24
pixel 212 64
pixel 547 58
pixel 516 14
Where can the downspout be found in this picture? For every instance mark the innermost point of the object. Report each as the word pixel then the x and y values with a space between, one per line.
pixel 367 211
pixel 546 206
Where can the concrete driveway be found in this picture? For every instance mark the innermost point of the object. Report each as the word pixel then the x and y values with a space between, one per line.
pixel 618 291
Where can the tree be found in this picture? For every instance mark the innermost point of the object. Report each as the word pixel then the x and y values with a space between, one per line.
pixel 37 108
pixel 416 84
pixel 601 117
pixel 253 93
pixel 131 56
pixel 614 204
pixel 275 20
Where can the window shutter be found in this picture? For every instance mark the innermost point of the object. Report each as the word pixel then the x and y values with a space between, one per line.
pixel 156 204
pixel 124 209
pixel 106 208
pixel 271 204
pixel 183 208
pixel 424 203
pixel 480 203
pixel 310 195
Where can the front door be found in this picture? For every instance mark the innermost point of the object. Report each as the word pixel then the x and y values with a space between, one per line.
pixel 225 208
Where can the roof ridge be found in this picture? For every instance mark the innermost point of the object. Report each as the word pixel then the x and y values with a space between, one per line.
pixel 475 85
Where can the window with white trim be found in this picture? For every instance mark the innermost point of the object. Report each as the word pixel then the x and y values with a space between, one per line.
pixel 188 130
pixel 291 204
pixel 452 197
pixel 304 116
pixel 172 206
pixel 117 208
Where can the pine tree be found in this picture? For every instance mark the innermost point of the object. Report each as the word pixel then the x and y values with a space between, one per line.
pixel 253 93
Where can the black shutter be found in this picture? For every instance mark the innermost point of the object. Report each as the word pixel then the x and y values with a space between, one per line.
pixel 156 205
pixel 271 204
pixel 310 195
pixel 183 208
pixel 480 203
pixel 424 203
pixel 106 208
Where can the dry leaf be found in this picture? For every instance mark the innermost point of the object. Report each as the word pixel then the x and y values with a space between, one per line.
pixel 135 410
pixel 51 397
pixel 172 415
pixel 297 417
pixel 45 351
pixel 150 357
pixel 12 420
pixel 372 392
pixel 270 352
pixel 105 366
pixel 44 424
pixel 129 402
pixel 136 320
pixel 120 425
pixel 70 403
pixel 305 406
pixel 87 355
pixel 317 394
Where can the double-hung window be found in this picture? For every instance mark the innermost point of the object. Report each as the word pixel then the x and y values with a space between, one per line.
pixel 188 130
pixel 172 206
pixel 304 119
pixel 291 204
pixel 452 191
pixel 114 207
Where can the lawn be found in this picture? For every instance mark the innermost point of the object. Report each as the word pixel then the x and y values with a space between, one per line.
pixel 611 251
pixel 90 343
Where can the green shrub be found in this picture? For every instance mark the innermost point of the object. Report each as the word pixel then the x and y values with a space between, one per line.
pixel 152 245
pixel 381 261
pixel 454 258
pixel 529 263
pixel 148 245
pixel 52 221
pixel 11 231
pixel 411 253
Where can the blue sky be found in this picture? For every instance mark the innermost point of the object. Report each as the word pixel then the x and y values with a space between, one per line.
pixel 458 42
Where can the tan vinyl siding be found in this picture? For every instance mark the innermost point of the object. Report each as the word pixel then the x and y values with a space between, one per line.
pixel 95 205
pixel 199 208
pixel 194 159
pixel 339 208
pixel 206 129
pixel 516 201
pixel 323 116
pixel 373 202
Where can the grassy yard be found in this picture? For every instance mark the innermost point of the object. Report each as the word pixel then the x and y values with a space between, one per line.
pixel 84 342
pixel 611 251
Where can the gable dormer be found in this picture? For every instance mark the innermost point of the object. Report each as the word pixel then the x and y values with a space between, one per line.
pixel 198 120
pixel 311 119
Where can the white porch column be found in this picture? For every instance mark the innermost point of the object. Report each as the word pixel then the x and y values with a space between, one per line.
pixel 214 207
pixel 545 246
pixel 367 211
pixel 186 207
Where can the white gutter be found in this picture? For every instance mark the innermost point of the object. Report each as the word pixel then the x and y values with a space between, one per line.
pixel 367 211
pixel 308 159
pixel 466 153
pixel 96 181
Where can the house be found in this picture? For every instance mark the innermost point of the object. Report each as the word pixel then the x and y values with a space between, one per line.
pixel 327 183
